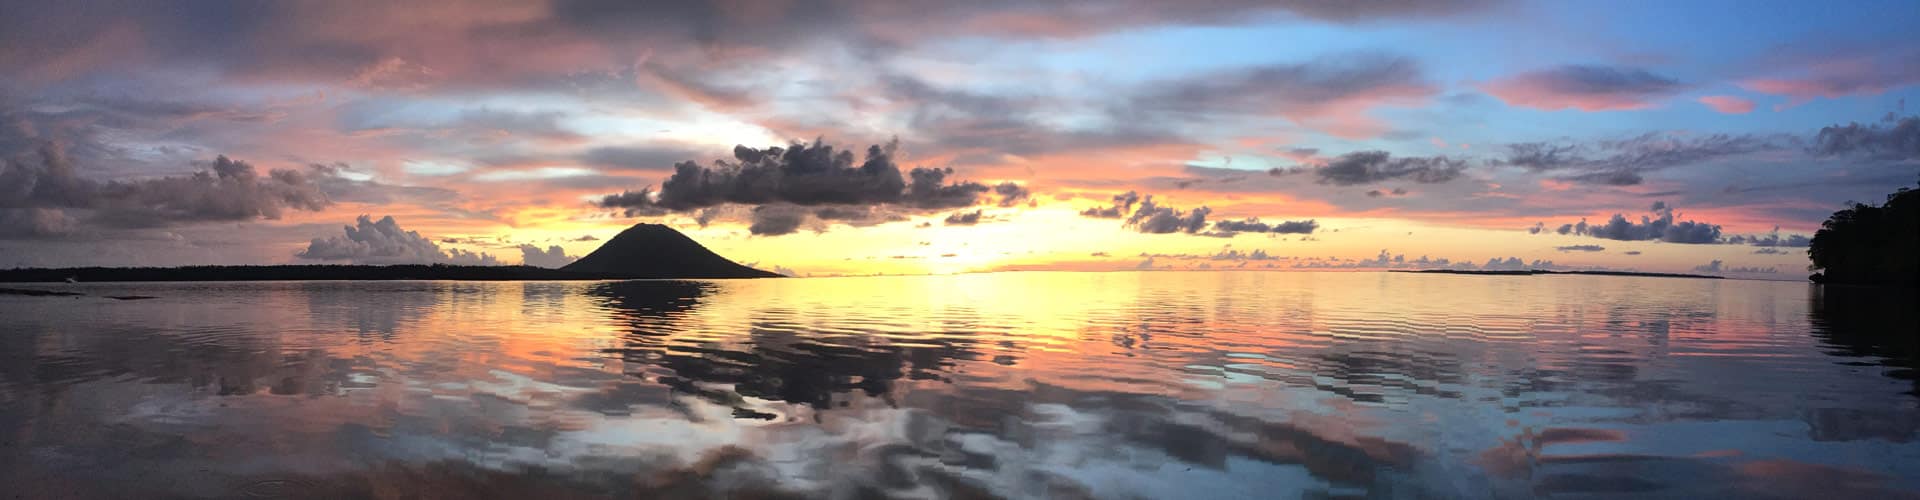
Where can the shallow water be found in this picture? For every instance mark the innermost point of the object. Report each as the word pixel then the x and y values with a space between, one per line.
pixel 1105 385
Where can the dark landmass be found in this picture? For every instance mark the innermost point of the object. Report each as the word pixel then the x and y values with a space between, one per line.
pixel 645 251
pixel 1870 245
pixel 37 293
pixel 1542 271
pixel 290 273
pixel 657 251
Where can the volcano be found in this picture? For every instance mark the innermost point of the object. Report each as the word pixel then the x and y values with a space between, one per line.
pixel 658 251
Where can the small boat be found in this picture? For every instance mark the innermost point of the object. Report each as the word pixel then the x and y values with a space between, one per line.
pixel 71 279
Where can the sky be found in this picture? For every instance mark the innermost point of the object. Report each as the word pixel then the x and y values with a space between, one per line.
pixel 905 137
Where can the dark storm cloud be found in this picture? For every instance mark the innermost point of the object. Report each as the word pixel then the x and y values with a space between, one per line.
pixel 383 242
pixel 805 175
pixel 1366 167
pixel 1122 205
pixel 1153 218
pixel 1660 226
pixel 1254 225
pixel 1581 248
pixel 1622 162
pixel 553 257
pixel 776 220
pixel 1892 139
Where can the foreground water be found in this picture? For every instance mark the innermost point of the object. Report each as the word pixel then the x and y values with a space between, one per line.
pixel 1105 385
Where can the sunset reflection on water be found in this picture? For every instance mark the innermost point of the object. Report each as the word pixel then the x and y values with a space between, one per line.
pixel 1109 385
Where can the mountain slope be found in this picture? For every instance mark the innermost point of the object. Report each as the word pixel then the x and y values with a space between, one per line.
pixel 657 251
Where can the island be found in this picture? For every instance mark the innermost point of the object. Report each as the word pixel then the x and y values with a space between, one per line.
pixel 1530 272
pixel 644 251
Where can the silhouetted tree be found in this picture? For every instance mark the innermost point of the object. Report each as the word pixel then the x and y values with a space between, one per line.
pixel 1866 244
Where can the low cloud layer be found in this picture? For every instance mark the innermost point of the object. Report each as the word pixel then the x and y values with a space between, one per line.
pixel 1254 225
pixel 383 242
pixel 1660 226
pixel 42 195
pixel 1720 267
pixel 553 257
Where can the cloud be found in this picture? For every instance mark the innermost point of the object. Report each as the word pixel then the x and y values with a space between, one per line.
pixel 383 242
pixel 1728 104
pixel 1122 205
pixel 1897 140
pixel 553 257
pixel 46 196
pixel 1236 255
pixel 1581 248
pixel 1011 193
pixel 1622 162
pixel 1366 167
pixel 1661 226
pixel 1152 218
pixel 1771 251
pixel 1587 88
pixel 636 157
pixel 1840 75
pixel 776 220
pixel 805 175
pixel 1395 192
pixel 1719 267
pixel 1254 225
pixel 963 218
pixel 1331 94
pixel 1772 239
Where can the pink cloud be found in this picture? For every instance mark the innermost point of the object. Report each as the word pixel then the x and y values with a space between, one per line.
pixel 1728 104
pixel 1840 77
pixel 1586 88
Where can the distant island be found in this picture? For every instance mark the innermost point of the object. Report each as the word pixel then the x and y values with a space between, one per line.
pixel 1543 271
pixel 658 251
pixel 1870 245
pixel 644 251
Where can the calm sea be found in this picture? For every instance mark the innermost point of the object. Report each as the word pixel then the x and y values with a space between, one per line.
pixel 1061 385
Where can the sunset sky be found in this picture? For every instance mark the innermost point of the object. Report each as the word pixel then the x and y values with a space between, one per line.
pixel 1302 134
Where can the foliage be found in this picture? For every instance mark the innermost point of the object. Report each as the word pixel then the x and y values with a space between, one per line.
pixel 1867 244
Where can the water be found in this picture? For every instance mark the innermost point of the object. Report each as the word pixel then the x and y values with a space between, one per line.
pixel 1064 385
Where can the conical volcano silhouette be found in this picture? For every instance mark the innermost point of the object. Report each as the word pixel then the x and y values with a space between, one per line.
pixel 658 251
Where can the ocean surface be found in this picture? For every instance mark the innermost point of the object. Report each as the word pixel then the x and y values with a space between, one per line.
pixel 1022 385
